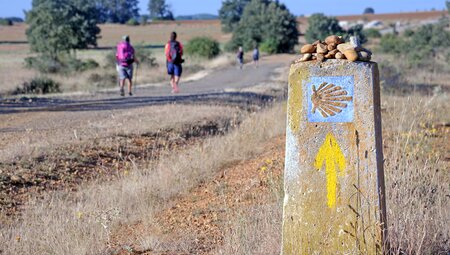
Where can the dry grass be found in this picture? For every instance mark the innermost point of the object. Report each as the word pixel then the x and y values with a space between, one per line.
pixel 80 223
pixel 417 185
pixel 12 67
pixel 417 174
pixel 158 34
pixel 256 230
pixel 37 133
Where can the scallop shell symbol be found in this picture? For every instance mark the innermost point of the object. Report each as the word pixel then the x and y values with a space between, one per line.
pixel 329 99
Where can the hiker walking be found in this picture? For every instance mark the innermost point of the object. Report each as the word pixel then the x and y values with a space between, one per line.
pixel 240 57
pixel 174 54
pixel 125 58
pixel 255 56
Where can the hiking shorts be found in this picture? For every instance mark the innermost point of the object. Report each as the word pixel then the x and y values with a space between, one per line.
pixel 174 69
pixel 125 72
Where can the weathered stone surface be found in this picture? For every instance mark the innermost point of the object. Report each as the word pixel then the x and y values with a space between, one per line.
pixel 306 57
pixel 331 46
pixel 308 48
pixel 329 56
pixel 16 179
pixel 334 166
pixel 316 42
pixel 351 55
pixel 320 57
pixel 333 39
pixel 339 55
pixel 344 46
pixel 322 48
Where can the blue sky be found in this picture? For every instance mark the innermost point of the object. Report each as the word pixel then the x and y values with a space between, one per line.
pixel 329 7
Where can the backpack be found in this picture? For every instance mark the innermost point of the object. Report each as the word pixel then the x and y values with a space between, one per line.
pixel 174 55
pixel 125 54
pixel 255 54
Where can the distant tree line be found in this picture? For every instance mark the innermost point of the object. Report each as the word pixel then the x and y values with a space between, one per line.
pixel 202 16
pixel 9 21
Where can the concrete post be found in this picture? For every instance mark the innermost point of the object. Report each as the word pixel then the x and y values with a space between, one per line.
pixel 334 180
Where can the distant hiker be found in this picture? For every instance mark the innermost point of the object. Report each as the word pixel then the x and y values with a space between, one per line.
pixel 240 57
pixel 174 54
pixel 125 58
pixel 256 56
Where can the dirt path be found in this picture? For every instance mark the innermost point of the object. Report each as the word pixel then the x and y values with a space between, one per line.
pixel 30 125
pixel 220 84
pixel 58 142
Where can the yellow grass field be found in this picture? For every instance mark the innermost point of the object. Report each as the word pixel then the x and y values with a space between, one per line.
pixel 155 34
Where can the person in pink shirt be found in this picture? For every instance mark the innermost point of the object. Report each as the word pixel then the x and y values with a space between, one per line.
pixel 125 58
pixel 174 54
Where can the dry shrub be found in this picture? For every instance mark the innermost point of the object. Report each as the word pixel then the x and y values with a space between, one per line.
pixel 81 222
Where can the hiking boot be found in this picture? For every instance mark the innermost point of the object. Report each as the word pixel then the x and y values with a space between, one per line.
pixel 130 94
pixel 122 92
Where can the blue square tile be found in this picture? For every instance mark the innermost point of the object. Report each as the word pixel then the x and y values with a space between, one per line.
pixel 330 99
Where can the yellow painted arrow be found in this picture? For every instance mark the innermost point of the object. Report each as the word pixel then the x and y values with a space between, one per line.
pixel 331 154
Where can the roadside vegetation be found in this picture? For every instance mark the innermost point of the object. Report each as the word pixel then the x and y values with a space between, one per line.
pixel 204 47
pixel 427 47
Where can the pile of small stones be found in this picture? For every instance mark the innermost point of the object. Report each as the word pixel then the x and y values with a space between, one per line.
pixel 334 47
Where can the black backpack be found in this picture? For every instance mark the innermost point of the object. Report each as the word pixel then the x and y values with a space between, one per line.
pixel 174 53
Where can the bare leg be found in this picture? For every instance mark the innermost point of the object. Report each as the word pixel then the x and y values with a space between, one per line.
pixel 172 81
pixel 130 84
pixel 176 80
pixel 122 85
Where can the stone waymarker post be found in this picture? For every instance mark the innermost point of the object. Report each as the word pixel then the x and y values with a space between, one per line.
pixel 334 181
